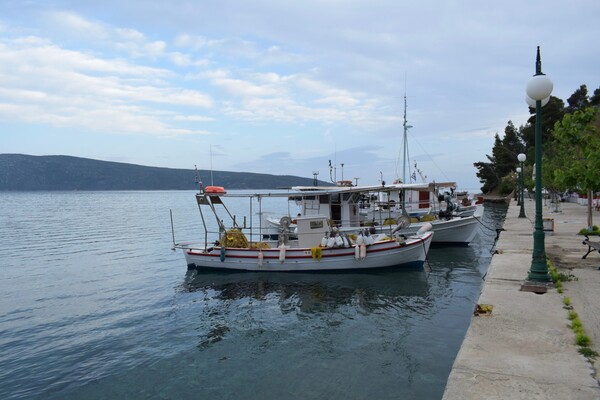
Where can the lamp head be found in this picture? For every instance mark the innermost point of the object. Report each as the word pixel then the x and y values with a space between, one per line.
pixel 531 102
pixel 521 157
pixel 539 87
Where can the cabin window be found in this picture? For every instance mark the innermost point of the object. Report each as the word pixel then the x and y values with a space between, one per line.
pixel 316 224
pixel 324 199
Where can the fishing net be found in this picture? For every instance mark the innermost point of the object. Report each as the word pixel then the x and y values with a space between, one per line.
pixel 234 238
pixel 260 245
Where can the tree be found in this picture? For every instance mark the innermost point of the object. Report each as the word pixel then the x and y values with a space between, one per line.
pixel 576 157
pixel 487 173
pixel 503 158
pixel 503 161
pixel 551 112
pixel 578 100
pixel 595 99
pixel 505 151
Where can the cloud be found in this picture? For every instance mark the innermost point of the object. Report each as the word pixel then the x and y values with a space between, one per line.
pixel 239 87
pixel 41 82
pixel 294 98
pixel 193 118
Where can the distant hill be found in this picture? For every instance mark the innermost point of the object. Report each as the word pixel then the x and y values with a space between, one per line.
pixel 25 172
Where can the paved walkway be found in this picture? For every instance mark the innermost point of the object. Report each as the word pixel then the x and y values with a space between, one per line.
pixel 525 348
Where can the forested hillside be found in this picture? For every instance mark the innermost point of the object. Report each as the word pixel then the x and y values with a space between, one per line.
pixel 26 172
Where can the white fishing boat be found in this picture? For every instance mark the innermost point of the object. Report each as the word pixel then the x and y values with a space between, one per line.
pixel 345 207
pixel 454 223
pixel 314 245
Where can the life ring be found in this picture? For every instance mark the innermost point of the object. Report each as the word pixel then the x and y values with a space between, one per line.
pixel 215 189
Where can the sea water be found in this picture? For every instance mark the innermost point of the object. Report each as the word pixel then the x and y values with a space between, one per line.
pixel 94 304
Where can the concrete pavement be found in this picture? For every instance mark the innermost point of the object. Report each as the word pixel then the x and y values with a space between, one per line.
pixel 525 348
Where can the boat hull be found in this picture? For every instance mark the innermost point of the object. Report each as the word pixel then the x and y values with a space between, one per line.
pixel 455 230
pixel 458 231
pixel 388 253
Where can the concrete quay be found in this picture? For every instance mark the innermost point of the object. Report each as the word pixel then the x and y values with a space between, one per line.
pixel 525 349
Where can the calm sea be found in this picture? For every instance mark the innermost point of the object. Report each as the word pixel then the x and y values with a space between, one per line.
pixel 94 304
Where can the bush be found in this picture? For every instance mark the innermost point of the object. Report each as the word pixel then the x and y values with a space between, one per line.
pixel 595 231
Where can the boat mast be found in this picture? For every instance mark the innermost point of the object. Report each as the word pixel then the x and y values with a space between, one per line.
pixel 404 157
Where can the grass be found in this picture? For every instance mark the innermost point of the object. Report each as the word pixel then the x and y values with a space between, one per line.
pixel 581 339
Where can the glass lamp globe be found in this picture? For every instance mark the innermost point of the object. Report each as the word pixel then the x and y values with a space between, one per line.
pixel 539 87
pixel 521 157
pixel 518 170
pixel 531 102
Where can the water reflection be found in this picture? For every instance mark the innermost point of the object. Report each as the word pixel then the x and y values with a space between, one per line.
pixel 256 302
pixel 331 288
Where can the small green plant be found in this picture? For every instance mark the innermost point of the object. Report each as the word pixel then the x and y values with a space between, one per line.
pixel 582 339
pixel 554 275
pixel 587 352
pixel 564 277
pixel 558 278
pixel 572 315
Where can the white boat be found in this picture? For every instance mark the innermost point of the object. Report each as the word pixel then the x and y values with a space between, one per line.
pixel 458 230
pixel 456 223
pixel 345 207
pixel 314 246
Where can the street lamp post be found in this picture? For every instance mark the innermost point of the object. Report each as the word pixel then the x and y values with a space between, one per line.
pixel 539 88
pixel 518 185
pixel 521 157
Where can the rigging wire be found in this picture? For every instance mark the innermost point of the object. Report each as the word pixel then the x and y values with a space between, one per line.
pixel 430 158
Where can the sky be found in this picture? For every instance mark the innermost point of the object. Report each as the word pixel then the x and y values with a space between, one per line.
pixel 283 87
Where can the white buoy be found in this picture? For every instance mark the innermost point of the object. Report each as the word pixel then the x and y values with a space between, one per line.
pixel 363 251
pixel 281 253
pixel 330 242
pixel 260 258
pixel 425 228
pixel 324 241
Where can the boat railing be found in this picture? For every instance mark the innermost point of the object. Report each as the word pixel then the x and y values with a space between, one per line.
pixel 254 232
pixel 246 238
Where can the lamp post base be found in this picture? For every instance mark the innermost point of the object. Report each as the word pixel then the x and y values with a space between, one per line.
pixel 536 287
pixel 539 264
pixel 538 276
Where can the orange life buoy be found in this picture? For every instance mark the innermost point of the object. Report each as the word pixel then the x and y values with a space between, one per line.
pixel 214 189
